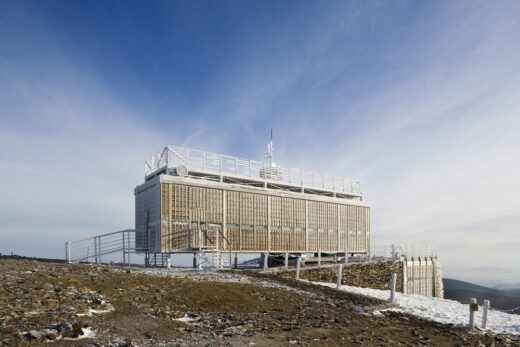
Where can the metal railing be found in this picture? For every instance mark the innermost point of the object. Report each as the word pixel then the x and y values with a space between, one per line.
pixel 395 251
pixel 103 248
pixel 223 165
pixel 94 249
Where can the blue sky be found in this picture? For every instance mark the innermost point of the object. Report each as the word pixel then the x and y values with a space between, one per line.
pixel 419 100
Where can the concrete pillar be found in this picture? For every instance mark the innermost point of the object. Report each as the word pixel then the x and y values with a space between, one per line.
pixel 266 261
pixel 339 276
pixel 298 263
pixel 286 260
pixel 319 258
pixel 194 260
pixel 393 280
pixel 236 261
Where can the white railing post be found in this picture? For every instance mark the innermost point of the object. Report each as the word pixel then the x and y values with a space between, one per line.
pixel 67 252
pixel 473 306
pixel 128 248
pixel 339 275
pixel 319 258
pixel 393 280
pixel 485 309
pixel 124 246
pixel 298 264
pixel 99 248
pixel 286 260
pixel 95 251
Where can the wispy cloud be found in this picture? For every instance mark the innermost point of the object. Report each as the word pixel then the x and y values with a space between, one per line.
pixel 420 102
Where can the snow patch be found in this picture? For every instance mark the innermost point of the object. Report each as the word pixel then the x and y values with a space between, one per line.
pixel 438 310
pixel 92 311
pixel 88 333
pixel 187 319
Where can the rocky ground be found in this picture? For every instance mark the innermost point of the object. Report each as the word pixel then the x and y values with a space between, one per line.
pixel 50 303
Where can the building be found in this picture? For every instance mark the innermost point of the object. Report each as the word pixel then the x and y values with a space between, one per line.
pixel 194 201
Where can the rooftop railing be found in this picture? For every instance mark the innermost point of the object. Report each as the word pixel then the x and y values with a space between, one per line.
pixel 223 165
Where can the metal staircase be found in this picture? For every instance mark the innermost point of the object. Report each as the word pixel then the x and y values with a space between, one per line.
pixel 157 259
pixel 213 259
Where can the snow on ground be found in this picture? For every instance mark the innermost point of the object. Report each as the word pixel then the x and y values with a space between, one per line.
pixel 440 310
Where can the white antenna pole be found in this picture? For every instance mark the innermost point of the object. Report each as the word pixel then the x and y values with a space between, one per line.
pixel 271 148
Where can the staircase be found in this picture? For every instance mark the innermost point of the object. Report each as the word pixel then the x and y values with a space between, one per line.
pixel 213 259
pixel 157 259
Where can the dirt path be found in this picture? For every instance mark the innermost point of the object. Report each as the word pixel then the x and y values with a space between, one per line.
pixel 52 304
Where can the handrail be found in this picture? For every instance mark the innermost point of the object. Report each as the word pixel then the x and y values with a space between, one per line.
pixel 223 165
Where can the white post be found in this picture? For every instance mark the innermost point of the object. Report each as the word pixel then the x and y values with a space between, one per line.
pixel 67 252
pixel 99 248
pixel 128 248
pixel 286 261
pixel 298 263
pixel 168 262
pixel 124 255
pixel 339 276
pixel 319 258
pixel 485 309
pixel 266 259
pixel 393 280
pixel 346 257
pixel 473 306
pixel 95 250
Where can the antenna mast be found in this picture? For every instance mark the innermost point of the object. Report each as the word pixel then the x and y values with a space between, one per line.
pixel 269 155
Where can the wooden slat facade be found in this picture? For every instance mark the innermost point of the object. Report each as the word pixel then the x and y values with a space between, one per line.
pixel 261 220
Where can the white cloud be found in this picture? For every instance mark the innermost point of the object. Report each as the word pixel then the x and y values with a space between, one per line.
pixel 433 140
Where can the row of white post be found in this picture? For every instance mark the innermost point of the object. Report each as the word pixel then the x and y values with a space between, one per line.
pixel 473 307
pixel 339 277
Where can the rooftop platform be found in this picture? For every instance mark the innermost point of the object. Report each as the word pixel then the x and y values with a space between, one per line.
pixel 185 161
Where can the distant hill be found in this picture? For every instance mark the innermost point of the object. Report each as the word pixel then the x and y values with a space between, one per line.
pixel 463 291
pixel 513 289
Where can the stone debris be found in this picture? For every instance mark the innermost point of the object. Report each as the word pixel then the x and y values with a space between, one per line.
pixel 374 275
pixel 100 305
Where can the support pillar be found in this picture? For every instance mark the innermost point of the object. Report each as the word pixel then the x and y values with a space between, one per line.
pixel 286 260
pixel 298 263
pixel 266 261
